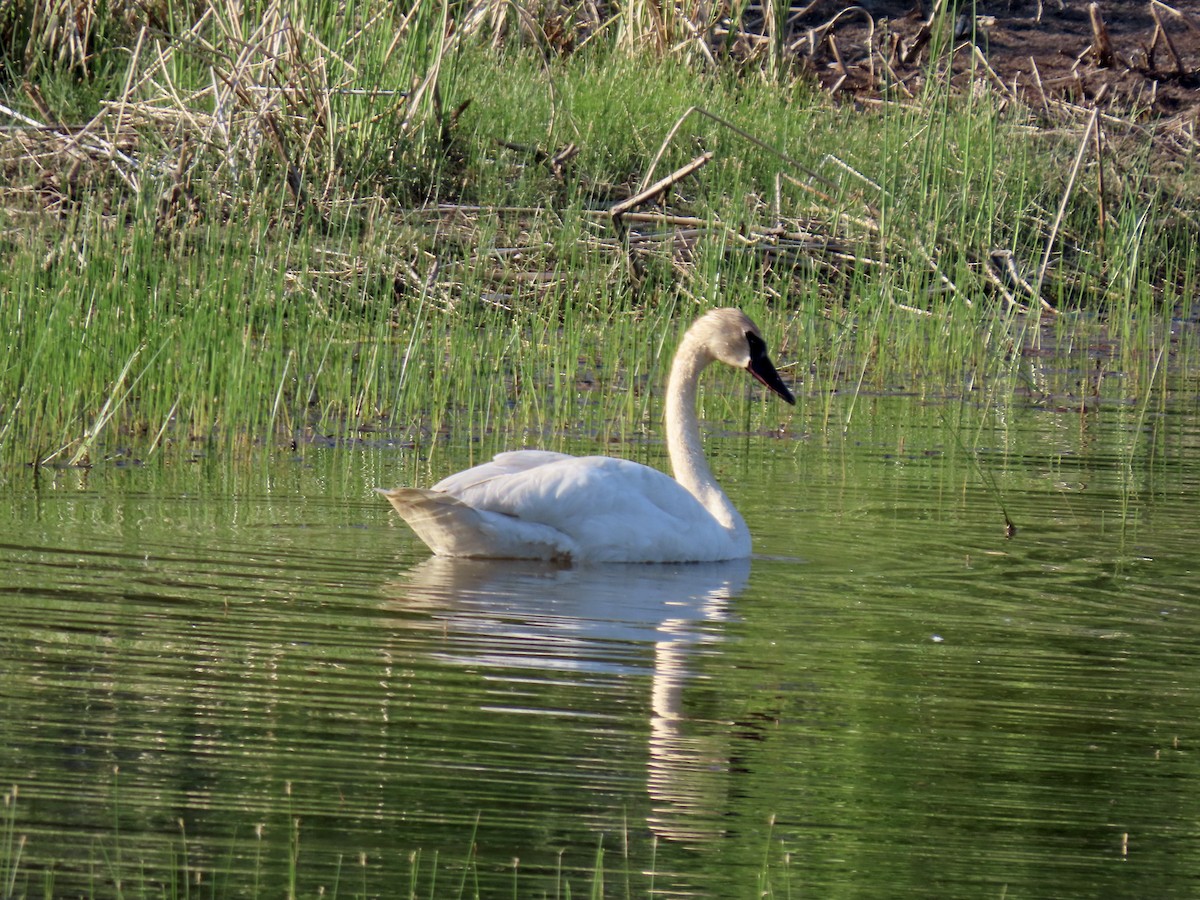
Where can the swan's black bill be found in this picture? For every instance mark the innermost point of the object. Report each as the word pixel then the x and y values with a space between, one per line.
pixel 763 369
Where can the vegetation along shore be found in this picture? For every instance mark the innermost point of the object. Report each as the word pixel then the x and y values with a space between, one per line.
pixel 242 226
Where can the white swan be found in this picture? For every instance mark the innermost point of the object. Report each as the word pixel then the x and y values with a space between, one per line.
pixel 535 504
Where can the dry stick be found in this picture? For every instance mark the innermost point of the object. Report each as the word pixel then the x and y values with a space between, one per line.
pixel 738 131
pixel 1010 299
pixel 896 80
pixel 816 34
pixel 232 75
pixel 12 418
pixel 1037 79
pixel 125 93
pixel 846 167
pixel 384 10
pixel 796 182
pixel 1101 45
pixel 1152 49
pixel 294 178
pixel 415 97
pixel 317 90
pixel 160 64
pixel 660 186
pixel 602 27
pixel 92 145
pixel 33 123
pixel 1010 266
pixel 295 181
pixel 179 103
pixel 154 444
pixel 1100 180
pixel 982 60
pixel 221 120
pixel 1062 211
pixel 310 37
pixel 941 276
pixel 753 236
pixel 1167 40
pixel 34 93
pixel 801 13
pixel 106 413
pixel 169 202
pixel 1187 20
pixel 871 76
pixel 837 58
pixel 191 32
pixel 698 39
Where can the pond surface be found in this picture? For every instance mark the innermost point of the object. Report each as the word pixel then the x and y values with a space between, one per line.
pixel 234 680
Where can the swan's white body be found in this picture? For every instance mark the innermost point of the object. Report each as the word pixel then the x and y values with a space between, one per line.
pixel 534 504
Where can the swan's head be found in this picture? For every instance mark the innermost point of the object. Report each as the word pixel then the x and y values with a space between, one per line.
pixel 730 336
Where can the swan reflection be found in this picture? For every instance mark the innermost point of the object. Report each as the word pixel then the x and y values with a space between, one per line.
pixel 603 620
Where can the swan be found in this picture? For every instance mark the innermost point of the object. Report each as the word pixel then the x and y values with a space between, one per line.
pixel 538 504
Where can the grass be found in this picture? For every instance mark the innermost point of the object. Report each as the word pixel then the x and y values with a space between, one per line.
pixel 241 227
pixel 275 865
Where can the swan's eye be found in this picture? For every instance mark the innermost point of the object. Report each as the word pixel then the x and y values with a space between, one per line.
pixel 758 347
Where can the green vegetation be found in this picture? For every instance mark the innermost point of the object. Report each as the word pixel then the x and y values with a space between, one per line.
pixel 252 866
pixel 238 226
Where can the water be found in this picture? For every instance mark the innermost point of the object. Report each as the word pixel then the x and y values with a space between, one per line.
pixel 229 679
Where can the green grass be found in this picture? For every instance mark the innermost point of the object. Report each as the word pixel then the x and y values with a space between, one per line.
pixel 266 862
pixel 342 223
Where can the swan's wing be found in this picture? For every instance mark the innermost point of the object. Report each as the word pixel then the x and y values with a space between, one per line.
pixel 533 504
pixel 612 509
pixel 502 465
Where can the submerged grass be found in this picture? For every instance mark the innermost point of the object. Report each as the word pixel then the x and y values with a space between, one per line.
pixel 278 863
pixel 240 229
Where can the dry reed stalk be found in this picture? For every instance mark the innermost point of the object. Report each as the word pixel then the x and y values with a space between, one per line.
pixel 837 58
pixel 696 39
pixel 996 79
pixel 946 281
pixel 1102 49
pixel 80 145
pixel 657 189
pixel 429 83
pixel 993 276
pixel 644 26
pixel 661 186
pixel 824 33
pixel 736 130
pixel 1159 29
pixel 1040 280
pixel 1100 211
pixel 61 30
pixel 1193 24
pixel 894 80
pixel 1037 80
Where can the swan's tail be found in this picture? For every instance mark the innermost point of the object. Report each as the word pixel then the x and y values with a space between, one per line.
pixel 452 528
pixel 439 520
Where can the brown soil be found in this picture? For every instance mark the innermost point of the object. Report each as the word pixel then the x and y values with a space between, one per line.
pixel 1045 51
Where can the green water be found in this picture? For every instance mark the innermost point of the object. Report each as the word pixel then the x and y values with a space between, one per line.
pixel 230 679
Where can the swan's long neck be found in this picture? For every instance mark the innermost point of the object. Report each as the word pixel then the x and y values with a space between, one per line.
pixel 683 434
